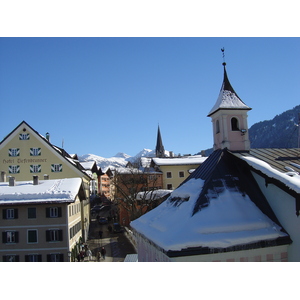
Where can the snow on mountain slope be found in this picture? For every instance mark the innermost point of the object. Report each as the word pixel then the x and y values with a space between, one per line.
pixel 119 160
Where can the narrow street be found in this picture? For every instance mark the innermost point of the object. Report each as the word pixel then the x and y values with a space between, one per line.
pixel 117 245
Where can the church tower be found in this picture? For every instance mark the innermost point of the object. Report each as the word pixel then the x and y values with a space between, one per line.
pixel 159 150
pixel 229 118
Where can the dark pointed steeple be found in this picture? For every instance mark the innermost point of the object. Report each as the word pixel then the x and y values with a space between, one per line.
pixel 229 118
pixel 228 98
pixel 159 150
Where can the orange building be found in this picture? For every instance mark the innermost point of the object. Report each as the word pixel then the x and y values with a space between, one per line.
pixel 136 192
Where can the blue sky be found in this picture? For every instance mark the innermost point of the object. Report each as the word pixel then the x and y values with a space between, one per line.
pixel 108 95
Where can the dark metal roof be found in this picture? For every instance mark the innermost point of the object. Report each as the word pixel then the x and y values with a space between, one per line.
pixel 226 84
pixel 277 158
pixel 220 104
pixel 225 170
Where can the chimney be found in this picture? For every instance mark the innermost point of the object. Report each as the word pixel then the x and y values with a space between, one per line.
pixel 48 136
pixel 3 176
pixel 35 180
pixel 11 181
pixel 46 177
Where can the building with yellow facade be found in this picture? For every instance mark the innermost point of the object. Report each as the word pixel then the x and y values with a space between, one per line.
pixel 41 221
pixel 176 169
pixel 25 153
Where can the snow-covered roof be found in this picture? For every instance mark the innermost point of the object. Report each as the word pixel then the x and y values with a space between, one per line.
pixel 229 220
pixel 155 194
pixel 290 179
pixel 184 160
pixel 88 165
pixel 212 209
pixel 228 99
pixel 46 191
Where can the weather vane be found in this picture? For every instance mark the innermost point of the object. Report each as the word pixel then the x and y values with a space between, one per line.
pixel 223 51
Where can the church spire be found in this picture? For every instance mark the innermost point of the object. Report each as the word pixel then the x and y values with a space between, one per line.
pixel 159 150
pixel 229 118
pixel 228 98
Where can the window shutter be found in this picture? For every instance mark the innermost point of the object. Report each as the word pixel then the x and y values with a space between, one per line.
pixel 48 212
pixel 4 258
pixel 16 213
pixel 47 235
pixel 17 236
pixel 49 257
pixel 4 237
pixel 26 258
pixel 17 258
pixel 60 235
pixel 39 257
pixel 59 212
pixel 4 214
pixel 61 257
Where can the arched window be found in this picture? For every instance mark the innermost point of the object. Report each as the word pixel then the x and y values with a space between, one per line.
pixel 217 126
pixel 234 124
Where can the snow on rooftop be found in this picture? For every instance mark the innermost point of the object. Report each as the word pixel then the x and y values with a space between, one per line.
pixel 230 219
pixel 293 182
pixel 61 190
pixel 152 195
pixel 228 100
pixel 188 160
pixel 87 165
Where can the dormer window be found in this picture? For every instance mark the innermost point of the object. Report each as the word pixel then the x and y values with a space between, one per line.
pixel 235 124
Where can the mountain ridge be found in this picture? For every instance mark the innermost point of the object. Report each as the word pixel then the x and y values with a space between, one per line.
pixel 279 132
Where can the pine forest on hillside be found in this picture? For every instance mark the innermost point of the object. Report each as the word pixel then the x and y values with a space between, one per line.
pixel 280 132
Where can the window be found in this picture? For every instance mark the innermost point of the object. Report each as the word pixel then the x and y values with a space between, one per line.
pixel 35 168
pixel 217 126
pixel 56 168
pixel 14 152
pixel 10 213
pixel 53 212
pixel 35 151
pixel 24 136
pixel 54 235
pixel 13 169
pixel 10 237
pixel 55 257
pixel 169 175
pixel 234 124
pixel 32 236
pixel 169 187
pixel 31 213
pixel 152 178
pixel 33 258
pixel 181 174
pixel 10 258
pixel 75 229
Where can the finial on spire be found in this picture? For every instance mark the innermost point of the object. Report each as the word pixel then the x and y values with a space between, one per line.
pixel 223 51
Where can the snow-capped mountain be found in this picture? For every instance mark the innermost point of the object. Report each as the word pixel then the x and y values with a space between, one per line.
pixel 119 160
